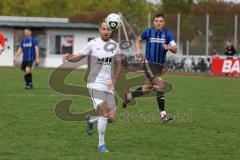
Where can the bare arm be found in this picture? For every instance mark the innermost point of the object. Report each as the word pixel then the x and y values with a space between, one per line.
pixel 18 53
pixel 138 46
pixel 172 48
pixel 117 70
pixel 37 54
pixel 73 57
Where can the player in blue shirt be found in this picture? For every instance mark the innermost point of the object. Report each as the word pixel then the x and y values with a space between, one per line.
pixel 159 40
pixel 30 50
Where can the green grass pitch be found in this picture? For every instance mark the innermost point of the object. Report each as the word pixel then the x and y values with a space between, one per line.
pixel 206 125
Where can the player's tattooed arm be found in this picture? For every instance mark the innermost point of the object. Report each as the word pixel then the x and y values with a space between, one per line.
pixel 118 68
pixel 138 47
pixel 73 57
pixel 138 53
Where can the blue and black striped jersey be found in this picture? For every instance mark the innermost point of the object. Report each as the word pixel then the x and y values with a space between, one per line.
pixel 28 47
pixel 155 39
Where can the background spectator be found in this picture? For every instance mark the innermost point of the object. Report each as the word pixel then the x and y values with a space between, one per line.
pixel 230 50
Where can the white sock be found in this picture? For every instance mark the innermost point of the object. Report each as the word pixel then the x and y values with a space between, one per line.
pixel 93 119
pixel 102 123
pixel 129 96
pixel 163 113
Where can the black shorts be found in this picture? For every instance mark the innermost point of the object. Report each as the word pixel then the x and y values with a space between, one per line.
pixel 153 70
pixel 26 64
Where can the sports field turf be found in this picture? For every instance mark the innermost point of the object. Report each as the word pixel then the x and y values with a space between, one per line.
pixel 206 125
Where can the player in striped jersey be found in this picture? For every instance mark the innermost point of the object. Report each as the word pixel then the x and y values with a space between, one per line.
pixel 29 48
pixel 159 40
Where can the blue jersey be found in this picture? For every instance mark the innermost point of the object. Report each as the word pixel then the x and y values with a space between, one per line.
pixel 155 53
pixel 28 47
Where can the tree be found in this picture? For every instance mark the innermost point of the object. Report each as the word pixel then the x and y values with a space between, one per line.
pixel 14 7
pixel 183 6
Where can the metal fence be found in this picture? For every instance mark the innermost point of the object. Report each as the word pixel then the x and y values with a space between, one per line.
pixel 195 34
pixel 202 34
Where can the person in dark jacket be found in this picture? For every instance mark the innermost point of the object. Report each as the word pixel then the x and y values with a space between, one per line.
pixel 230 50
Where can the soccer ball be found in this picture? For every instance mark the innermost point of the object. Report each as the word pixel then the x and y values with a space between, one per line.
pixel 114 21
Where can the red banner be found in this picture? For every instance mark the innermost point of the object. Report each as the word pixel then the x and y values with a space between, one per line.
pixel 225 66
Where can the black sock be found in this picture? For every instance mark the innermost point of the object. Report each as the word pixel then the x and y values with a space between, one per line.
pixel 137 93
pixel 28 78
pixel 160 100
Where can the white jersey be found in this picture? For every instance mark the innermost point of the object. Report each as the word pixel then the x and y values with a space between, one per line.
pixel 101 62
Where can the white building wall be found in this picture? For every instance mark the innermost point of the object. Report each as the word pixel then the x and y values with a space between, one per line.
pixel 6 59
pixel 80 40
pixel 51 60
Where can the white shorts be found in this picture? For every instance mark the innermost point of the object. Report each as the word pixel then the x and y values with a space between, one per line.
pixel 98 97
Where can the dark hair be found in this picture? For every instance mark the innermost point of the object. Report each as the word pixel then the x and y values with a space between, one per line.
pixel 101 22
pixel 28 28
pixel 159 15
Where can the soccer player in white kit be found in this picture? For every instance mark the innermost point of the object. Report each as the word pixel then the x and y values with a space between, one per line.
pixel 105 66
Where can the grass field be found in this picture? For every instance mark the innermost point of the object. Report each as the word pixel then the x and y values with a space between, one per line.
pixel 206 126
